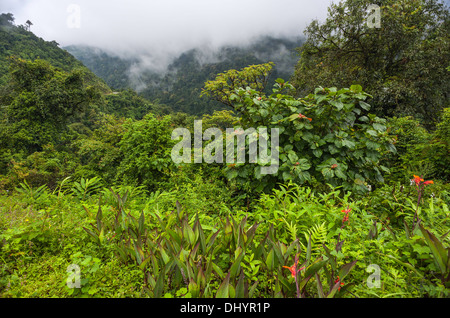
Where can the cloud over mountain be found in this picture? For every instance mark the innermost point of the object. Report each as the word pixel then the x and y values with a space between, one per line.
pixel 161 29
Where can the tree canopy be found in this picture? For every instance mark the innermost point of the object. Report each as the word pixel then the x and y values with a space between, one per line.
pixel 39 104
pixel 402 64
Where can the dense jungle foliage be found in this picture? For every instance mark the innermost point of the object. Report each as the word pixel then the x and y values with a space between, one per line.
pixel 92 203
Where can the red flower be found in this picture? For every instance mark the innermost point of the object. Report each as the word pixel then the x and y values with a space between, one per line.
pixel 293 269
pixel 303 116
pixel 419 181
pixel 346 211
pixel 338 280
pixel 333 166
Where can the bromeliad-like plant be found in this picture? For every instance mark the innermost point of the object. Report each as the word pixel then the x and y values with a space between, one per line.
pixel 230 259
pixel 325 264
pixel 86 187
pixel 441 255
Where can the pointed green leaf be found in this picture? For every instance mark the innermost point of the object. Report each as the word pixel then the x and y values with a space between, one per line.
pixel 222 292
pixel 440 253
pixel 252 289
pixel 236 265
pixel 319 286
pixel 159 286
pixel 315 267
pixel 240 286
pixel 270 260
pixel 346 269
pixel 334 289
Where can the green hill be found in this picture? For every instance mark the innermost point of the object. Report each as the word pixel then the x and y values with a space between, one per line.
pixel 19 42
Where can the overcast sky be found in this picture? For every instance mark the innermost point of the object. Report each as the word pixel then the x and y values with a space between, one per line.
pixel 164 25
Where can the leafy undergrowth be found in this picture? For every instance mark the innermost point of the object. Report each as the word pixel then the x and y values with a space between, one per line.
pixel 294 242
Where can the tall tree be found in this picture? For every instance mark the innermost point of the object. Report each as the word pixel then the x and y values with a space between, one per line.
pixel 402 64
pixel 6 19
pixel 28 25
pixel 223 87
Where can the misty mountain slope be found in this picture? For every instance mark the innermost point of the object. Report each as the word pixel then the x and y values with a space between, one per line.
pixel 20 42
pixel 179 84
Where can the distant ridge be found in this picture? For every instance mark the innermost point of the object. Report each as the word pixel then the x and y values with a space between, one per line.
pixel 179 86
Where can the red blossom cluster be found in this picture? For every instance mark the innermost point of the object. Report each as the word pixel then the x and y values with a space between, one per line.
pixel 338 280
pixel 419 181
pixel 346 212
pixel 303 116
pixel 293 269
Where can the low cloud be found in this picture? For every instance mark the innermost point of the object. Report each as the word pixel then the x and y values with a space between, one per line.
pixel 163 27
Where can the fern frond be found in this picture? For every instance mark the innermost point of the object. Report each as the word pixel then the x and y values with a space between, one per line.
pixel 292 229
pixel 318 234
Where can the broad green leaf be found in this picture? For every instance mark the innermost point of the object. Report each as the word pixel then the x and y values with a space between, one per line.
pixel 222 292
pixel 340 174
pixel 270 260
pixel 338 104
pixel 236 265
pixel 194 288
pixel 348 143
pixel 217 269
pixel 328 173
pixel 141 223
pixel 379 127
pixel 319 286
pixel 317 152
pixel 159 286
pixel 315 267
pixel 292 157
pixel 231 173
pixel 308 251
pixel 356 88
pixel 164 255
pixel 364 119
pixel 240 286
pixel 304 164
pixel 252 289
pixel 364 105
pixel 334 289
pixel 440 253
pixel 346 269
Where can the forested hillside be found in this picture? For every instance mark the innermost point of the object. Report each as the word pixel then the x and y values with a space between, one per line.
pixel 158 190
pixel 18 42
pixel 180 84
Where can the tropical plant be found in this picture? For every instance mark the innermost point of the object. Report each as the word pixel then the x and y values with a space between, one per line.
pixel 328 136
pixel 86 187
